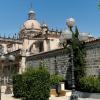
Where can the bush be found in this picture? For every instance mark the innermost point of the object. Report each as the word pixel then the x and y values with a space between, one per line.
pixel 99 75
pixel 36 84
pixel 17 86
pixel 55 79
pixel 90 84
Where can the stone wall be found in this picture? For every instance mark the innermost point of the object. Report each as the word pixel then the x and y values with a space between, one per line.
pixel 93 57
pixel 56 61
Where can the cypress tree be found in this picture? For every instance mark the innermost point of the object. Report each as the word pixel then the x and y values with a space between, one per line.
pixel 79 56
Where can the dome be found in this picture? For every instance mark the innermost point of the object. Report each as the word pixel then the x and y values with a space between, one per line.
pixel 32 24
pixel 44 25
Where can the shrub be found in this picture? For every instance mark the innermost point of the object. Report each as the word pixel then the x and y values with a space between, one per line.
pixel 90 84
pixel 55 79
pixel 34 84
pixel 99 76
pixel 17 85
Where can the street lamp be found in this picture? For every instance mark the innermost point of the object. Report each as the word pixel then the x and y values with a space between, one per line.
pixel 2 59
pixel 56 69
pixel 8 90
pixel 70 22
pixel 66 37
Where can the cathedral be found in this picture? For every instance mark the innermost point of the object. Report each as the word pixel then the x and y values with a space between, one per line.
pixel 33 38
pixel 36 42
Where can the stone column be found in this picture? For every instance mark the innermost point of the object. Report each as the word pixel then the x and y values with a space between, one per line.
pixel 22 62
pixel 22 65
pixel 46 45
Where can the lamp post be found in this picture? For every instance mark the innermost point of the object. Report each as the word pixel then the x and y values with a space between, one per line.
pixel 56 69
pixel 70 22
pixel 2 59
pixel 8 90
pixel 65 37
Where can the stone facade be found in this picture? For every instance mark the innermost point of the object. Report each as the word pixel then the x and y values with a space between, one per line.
pixel 56 61
pixel 35 42
pixel 33 38
pixel 93 57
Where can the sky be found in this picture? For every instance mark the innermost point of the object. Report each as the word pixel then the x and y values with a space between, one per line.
pixel 13 13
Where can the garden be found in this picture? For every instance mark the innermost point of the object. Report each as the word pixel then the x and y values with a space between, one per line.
pixel 34 84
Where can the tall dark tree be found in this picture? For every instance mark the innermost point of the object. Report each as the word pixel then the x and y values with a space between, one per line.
pixel 99 4
pixel 79 56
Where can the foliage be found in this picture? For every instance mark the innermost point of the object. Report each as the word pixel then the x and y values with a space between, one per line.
pixel 55 79
pixel 17 86
pixel 90 84
pixel 36 84
pixel 99 4
pixel 79 56
pixel 99 75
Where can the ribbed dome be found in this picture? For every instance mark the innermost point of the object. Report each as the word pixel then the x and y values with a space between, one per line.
pixel 32 24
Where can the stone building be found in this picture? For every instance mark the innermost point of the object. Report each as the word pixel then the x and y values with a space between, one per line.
pixel 93 57
pixel 35 43
pixel 33 38
pixel 57 60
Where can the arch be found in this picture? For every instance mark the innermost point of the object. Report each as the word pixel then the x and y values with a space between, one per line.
pixel 31 46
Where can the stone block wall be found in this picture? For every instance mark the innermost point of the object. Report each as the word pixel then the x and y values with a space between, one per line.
pixel 55 61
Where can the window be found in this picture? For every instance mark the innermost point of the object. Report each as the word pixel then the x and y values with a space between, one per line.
pixel 41 48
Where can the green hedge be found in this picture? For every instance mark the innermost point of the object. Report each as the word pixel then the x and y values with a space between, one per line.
pixel 90 84
pixel 36 84
pixel 17 86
